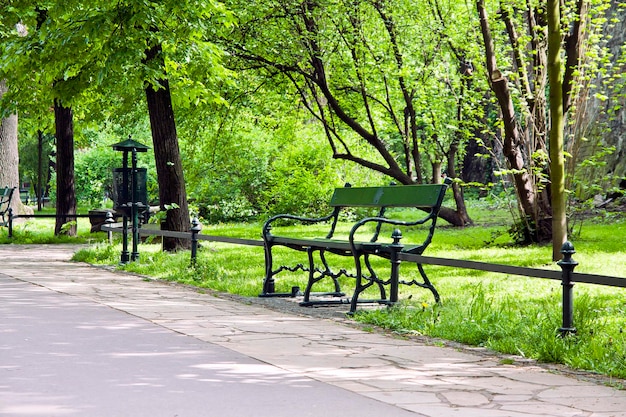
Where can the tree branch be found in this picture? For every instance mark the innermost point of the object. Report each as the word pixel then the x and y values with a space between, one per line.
pixel 573 42
pixel 396 173
pixel 517 54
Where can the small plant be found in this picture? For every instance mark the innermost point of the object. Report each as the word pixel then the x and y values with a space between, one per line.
pixel 65 228
pixel 159 216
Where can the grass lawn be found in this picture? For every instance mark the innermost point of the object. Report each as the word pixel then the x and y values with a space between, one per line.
pixel 506 313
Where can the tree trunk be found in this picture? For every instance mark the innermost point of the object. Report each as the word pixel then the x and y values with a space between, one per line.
pixel 66 193
pixel 172 194
pixel 534 208
pixel 9 159
pixel 557 159
pixel 477 169
pixel 436 165
pixel 38 186
pixel 462 217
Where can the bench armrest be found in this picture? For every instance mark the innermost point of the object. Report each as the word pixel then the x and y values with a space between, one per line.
pixel 310 220
pixel 432 216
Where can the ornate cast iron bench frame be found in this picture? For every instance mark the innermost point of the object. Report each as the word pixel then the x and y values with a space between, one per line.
pixel 426 198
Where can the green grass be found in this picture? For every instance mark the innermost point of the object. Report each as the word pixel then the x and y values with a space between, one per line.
pixel 506 313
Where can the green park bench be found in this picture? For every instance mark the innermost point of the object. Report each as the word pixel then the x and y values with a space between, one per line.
pixel 425 199
pixel 5 203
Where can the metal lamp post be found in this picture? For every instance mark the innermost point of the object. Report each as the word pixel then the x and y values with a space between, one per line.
pixel 130 194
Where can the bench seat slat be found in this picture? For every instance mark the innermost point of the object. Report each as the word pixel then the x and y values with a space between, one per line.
pixel 343 245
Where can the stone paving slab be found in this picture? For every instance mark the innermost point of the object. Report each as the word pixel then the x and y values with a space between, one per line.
pixel 410 376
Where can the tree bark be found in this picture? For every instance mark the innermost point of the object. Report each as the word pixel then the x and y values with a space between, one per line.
pixel 66 192
pixel 557 159
pixel 533 207
pixel 9 158
pixel 38 189
pixel 475 168
pixel 462 218
pixel 172 193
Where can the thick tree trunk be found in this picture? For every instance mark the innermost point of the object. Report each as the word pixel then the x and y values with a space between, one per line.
pixel 475 169
pixel 172 194
pixel 9 159
pixel 600 119
pixel 436 165
pixel 66 192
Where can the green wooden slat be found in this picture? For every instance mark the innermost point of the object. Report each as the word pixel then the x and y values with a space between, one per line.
pixel 330 243
pixel 390 196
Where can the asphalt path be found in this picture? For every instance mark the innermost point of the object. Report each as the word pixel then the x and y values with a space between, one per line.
pixel 65 356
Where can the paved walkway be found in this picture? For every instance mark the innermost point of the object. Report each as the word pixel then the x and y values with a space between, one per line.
pixel 82 341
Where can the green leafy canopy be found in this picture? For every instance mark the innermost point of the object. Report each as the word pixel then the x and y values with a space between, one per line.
pixel 74 49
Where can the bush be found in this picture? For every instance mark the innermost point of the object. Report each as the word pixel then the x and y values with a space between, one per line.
pixel 242 183
pixel 301 180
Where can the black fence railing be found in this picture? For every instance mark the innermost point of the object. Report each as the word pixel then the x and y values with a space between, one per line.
pixel 12 217
pixel 566 275
pixel 192 235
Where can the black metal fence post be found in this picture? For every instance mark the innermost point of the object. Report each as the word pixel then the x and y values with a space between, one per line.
pixel 395 247
pixel 196 227
pixel 10 222
pixel 567 265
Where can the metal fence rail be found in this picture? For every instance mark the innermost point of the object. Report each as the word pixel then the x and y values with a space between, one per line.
pixel 117 227
pixel 515 270
pixel 567 276
pixel 12 217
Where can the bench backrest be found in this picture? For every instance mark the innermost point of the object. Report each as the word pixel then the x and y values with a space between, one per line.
pixel 422 196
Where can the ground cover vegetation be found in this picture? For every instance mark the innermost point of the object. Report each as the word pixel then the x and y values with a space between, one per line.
pixel 41 231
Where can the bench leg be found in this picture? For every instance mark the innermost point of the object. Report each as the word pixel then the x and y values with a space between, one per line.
pixel 329 272
pixel 268 281
pixel 269 289
pixel 394 280
pixel 374 277
pixel 359 287
pixel 326 272
pixel 312 280
pixel 427 284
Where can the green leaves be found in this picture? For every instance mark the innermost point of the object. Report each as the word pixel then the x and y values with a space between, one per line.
pixel 381 76
pixel 74 49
